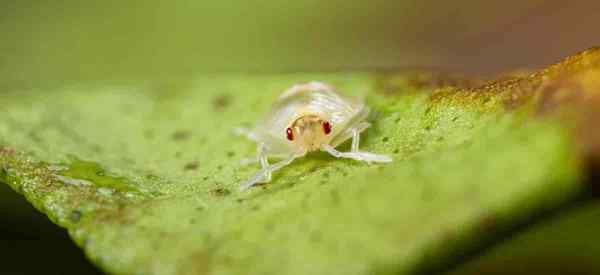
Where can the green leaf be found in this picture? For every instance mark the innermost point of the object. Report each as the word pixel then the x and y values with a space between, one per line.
pixel 144 175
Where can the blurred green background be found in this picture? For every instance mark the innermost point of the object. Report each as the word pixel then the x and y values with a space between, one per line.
pixel 54 43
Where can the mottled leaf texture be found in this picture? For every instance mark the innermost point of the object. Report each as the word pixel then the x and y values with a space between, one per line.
pixel 145 174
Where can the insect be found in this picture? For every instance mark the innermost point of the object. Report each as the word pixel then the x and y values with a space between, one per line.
pixel 305 118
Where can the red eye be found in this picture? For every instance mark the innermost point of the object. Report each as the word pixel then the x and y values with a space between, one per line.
pixel 289 133
pixel 327 127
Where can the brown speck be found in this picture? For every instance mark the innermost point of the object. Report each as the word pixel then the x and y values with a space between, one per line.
pixel 181 135
pixel 220 191
pixel 191 166
pixel 221 102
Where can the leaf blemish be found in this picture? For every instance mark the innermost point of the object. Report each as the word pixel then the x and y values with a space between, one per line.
pixel 181 135
pixel 221 102
pixel 191 166
pixel 220 191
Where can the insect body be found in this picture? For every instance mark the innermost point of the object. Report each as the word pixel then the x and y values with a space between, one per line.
pixel 305 118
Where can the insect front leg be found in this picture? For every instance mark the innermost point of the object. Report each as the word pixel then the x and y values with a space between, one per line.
pixel 266 172
pixel 354 151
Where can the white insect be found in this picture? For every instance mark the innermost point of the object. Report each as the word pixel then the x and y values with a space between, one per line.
pixel 308 117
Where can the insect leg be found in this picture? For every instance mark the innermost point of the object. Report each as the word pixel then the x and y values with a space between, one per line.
pixel 264 161
pixel 261 175
pixel 349 133
pixel 360 156
pixel 260 155
pixel 355 153
pixel 355 140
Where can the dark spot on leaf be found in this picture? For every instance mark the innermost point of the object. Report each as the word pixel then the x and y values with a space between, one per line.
pixel 385 139
pixel 191 166
pixel 455 118
pixel 230 154
pixel 326 175
pixel 220 167
pixel 199 208
pixel 221 102
pixel 157 193
pixel 428 110
pixel 149 134
pixel 205 178
pixel 428 128
pixel 96 148
pixel 75 216
pixel 396 151
pixel 100 173
pixel 220 191
pixel 335 196
pixel 181 135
